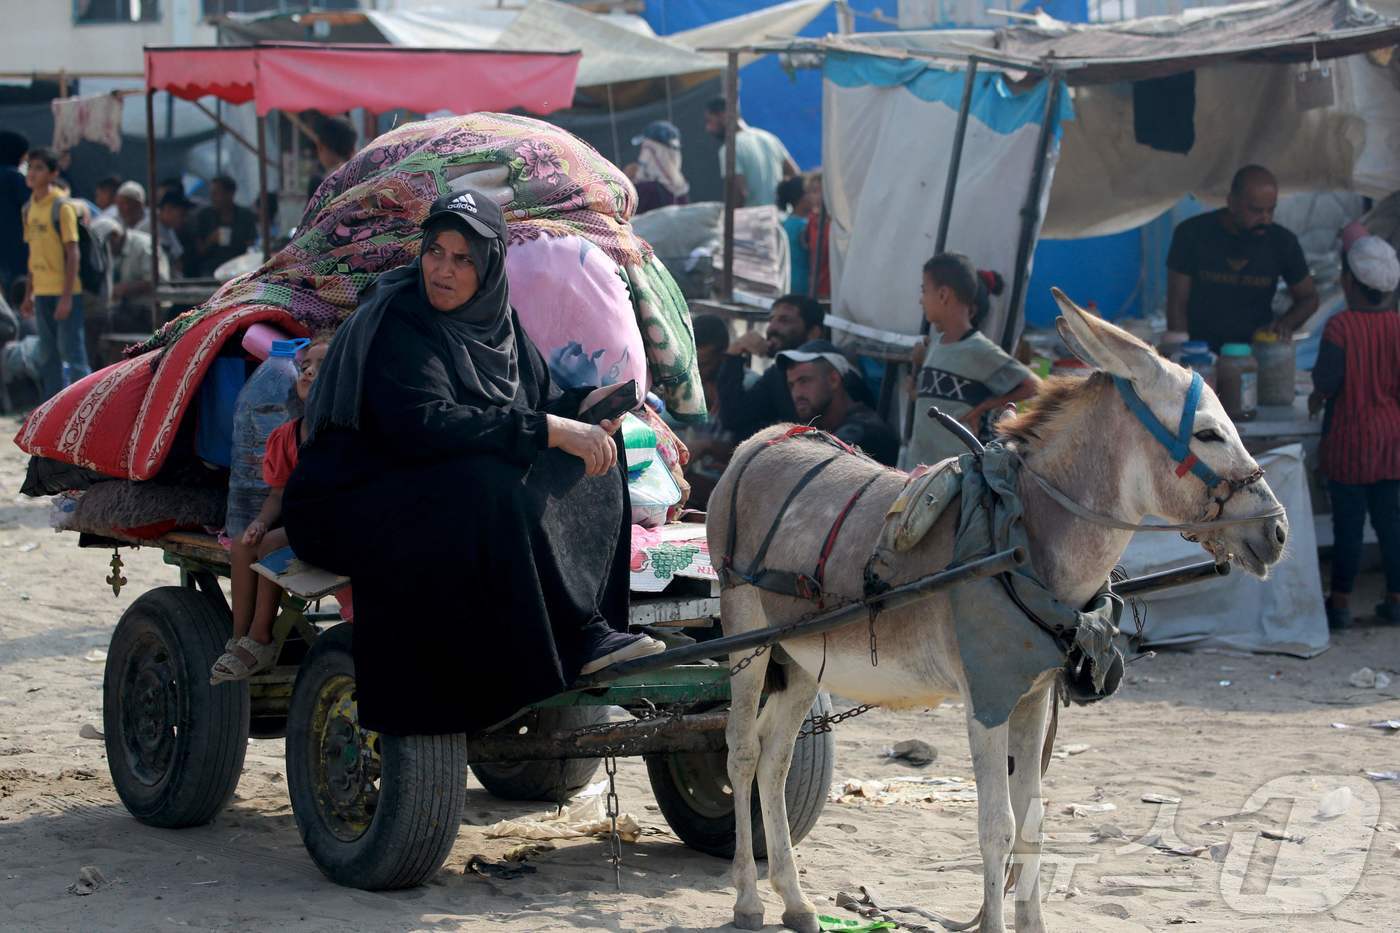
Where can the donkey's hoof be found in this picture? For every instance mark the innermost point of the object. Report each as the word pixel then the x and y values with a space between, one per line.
pixel 802 922
pixel 748 921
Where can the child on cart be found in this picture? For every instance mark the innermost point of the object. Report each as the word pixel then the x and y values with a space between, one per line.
pixel 252 650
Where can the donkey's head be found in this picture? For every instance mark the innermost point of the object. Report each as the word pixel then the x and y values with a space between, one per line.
pixel 1187 462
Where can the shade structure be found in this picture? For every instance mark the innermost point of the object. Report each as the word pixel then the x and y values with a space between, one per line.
pixel 298 76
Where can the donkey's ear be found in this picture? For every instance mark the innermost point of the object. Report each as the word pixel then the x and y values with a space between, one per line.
pixel 1103 346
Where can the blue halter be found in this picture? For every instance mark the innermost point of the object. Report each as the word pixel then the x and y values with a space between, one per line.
pixel 1178 445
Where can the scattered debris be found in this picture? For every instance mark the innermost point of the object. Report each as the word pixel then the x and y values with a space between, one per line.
pixel 96 654
pixel 1225 683
pixel 489 868
pixel 1367 678
pixel 1334 803
pixel 90 879
pixel 1387 725
pixel 904 790
pixel 1383 775
pixel 78 774
pixel 1219 851
pixel 567 823
pixel 1281 837
pixel 1068 750
pixel 1088 809
pixel 912 751
pixel 89 731
pixel 1386 828
pixel 1185 851
pixel 527 850
pixel 1159 798
pixel 1107 831
pixel 1340 725
pixel 25 549
pixel 1177 921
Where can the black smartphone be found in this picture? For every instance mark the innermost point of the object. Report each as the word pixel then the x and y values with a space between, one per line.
pixel 613 405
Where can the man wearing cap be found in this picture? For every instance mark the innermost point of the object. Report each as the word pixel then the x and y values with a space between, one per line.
pixel 816 377
pixel 1358 377
pixel 173 211
pixel 657 172
pixel 1223 268
pixel 131 204
pixel 130 252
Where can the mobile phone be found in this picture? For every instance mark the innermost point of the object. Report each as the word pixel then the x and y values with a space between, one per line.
pixel 613 405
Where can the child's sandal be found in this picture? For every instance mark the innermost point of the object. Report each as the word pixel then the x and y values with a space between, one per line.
pixel 244 658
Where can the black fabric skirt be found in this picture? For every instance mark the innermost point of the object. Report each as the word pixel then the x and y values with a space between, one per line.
pixel 478 584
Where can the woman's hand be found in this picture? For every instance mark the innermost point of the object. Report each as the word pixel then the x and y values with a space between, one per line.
pixel 253 535
pixel 591 443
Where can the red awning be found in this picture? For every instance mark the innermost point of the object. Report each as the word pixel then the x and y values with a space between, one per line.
pixel 333 78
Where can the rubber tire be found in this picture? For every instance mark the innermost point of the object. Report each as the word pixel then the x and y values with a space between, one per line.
pixel 551 781
pixel 422 789
pixel 808 781
pixel 209 724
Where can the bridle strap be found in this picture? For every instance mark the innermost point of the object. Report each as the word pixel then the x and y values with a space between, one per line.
pixel 1178 445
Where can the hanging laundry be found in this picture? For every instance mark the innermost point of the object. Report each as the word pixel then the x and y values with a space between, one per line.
pixel 97 118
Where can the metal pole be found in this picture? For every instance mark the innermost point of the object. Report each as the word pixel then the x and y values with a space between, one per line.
pixel 153 208
pixel 701 732
pixel 1151 583
pixel 1030 213
pixel 731 184
pixel 893 598
pixel 263 224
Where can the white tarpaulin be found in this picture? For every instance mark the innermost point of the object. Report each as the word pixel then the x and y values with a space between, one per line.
pixel 784 19
pixel 1107 182
pixel 1283 614
pixel 886 143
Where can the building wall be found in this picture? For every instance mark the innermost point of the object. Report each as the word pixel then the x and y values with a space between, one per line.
pixel 43 37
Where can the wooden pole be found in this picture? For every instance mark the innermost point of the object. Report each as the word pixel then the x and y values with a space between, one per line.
pixel 153 207
pixel 731 184
pixel 263 225
pixel 1030 212
pixel 238 137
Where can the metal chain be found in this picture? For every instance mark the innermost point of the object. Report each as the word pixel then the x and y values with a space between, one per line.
pixel 746 661
pixel 874 648
pixel 824 723
pixel 612 809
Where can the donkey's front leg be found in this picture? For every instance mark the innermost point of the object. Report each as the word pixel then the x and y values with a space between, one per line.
pixel 741 611
pixel 778 726
pixel 996 824
pixel 1026 742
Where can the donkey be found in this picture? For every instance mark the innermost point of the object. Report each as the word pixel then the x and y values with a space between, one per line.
pixel 1084 441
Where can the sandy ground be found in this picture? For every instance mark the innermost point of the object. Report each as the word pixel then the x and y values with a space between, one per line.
pixel 1211 730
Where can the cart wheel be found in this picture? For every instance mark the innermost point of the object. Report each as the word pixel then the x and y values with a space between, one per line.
pixel 376 812
pixel 553 781
pixel 175 744
pixel 692 790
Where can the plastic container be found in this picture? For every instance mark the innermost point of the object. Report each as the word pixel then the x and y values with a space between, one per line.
pixel 1172 343
pixel 268 399
pixel 1203 363
pixel 1237 381
pixel 1277 368
pixel 259 338
pixel 1192 348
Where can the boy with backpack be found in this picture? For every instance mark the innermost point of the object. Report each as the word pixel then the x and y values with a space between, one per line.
pixel 55 234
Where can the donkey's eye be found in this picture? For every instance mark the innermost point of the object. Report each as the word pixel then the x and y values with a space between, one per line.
pixel 1209 436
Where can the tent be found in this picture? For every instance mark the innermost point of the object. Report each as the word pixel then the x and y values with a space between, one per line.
pixel 893 96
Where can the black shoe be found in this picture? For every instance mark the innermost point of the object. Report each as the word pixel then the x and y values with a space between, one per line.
pixel 1338 617
pixel 616 647
pixel 1388 613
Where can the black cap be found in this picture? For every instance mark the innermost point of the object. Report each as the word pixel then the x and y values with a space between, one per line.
pixel 816 350
pixel 475 209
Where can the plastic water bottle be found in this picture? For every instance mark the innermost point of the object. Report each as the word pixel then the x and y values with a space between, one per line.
pixel 268 399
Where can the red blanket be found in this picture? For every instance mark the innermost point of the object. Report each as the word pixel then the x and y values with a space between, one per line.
pixel 121 420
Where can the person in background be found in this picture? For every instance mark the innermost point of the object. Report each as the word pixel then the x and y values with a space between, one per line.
pixel 960 370
pixel 818 240
pixel 173 211
pixel 130 250
pixel 14 255
pixel 751 405
pixel 221 231
pixel 710 444
pixel 1223 268
pixel 167 185
pixel 1357 376
pixel 760 158
pixel 657 172
pixel 55 297
pixel 335 144
pixel 130 202
pixel 104 196
pixel 816 374
pixel 796 202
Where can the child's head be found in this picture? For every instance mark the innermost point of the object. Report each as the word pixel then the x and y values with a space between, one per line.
pixel 949 291
pixel 309 361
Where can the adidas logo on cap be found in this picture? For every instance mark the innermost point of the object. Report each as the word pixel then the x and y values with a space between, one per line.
pixel 465 201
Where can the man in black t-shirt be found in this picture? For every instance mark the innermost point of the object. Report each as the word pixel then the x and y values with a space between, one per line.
pixel 1223 268
pixel 816 378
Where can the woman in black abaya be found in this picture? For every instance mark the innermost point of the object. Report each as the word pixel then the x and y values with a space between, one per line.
pixel 485 528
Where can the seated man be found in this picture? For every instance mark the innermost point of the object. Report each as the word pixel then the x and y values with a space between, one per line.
pixel 816 377
pixel 130 250
pixel 749 406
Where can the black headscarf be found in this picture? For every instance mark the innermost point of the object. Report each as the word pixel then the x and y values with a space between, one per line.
pixel 477 339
